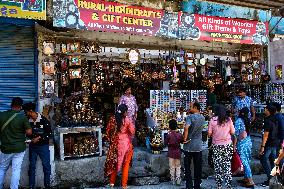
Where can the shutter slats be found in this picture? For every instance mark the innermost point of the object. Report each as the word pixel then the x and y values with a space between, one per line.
pixel 17 67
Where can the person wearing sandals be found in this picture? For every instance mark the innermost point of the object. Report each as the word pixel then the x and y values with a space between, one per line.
pixel 243 145
pixel 120 131
pixel 221 129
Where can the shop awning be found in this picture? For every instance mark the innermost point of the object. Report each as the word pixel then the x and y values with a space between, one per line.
pixel 257 4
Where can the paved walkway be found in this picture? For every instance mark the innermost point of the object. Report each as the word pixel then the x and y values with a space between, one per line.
pixel 206 184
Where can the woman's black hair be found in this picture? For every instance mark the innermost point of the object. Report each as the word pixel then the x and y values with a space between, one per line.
pixel 119 115
pixel 126 87
pixel 222 113
pixel 244 115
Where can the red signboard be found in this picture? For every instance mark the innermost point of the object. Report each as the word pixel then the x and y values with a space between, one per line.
pixel 210 28
pixel 113 17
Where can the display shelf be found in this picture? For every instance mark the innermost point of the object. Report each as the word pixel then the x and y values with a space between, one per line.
pixel 78 142
pixel 173 100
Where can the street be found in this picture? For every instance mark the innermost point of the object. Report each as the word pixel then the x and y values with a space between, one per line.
pixel 206 184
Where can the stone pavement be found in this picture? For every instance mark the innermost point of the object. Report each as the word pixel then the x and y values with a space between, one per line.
pixel 208 183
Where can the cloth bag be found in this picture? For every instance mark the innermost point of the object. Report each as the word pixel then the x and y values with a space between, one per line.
pixel 237 166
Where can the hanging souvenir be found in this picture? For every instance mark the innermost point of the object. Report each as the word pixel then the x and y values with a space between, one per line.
pixel 202 61
pixel 256 52
pixel 63 48
pixel 191 69
pixel 74 60
pixel 63 64
pixel 48 48
pixel 75 73
pixel 64 79
pixel 278 72
pixel 48 67
pixel 75 47
pixel 49 86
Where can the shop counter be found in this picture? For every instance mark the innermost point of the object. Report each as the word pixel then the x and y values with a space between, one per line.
pixel 77 142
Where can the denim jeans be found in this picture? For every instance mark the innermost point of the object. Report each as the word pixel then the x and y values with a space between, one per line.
pixel 5 161
pixel 267 160
pixel 43 152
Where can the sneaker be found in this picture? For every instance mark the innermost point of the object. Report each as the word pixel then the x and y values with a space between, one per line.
pixel 173 182
pixel 264 184
pixel 178 182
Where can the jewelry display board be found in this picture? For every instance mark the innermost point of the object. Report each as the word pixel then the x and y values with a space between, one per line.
pixel 274 93
pixel 173 100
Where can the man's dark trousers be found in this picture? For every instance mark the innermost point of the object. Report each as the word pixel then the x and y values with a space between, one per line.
pixel 44 154
pixel 197 163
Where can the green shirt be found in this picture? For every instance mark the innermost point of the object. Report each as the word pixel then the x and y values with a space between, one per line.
pixel 13 136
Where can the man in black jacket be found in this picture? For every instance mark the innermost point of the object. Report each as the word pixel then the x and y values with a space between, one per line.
pixel 270 142
pixel 39 145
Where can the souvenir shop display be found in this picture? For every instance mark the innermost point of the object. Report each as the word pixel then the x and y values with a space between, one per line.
pixel 169 104
pixel 79 142
pixel 274 93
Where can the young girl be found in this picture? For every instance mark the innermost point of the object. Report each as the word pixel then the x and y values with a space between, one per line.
pixel 173 140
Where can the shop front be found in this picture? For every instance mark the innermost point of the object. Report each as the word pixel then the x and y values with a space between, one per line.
pixel 169 59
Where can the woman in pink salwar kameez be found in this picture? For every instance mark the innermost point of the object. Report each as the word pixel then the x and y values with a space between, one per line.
pixel 120 131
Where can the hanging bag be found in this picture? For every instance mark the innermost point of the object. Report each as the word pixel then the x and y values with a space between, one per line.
pixel 237 166
pixel 7 123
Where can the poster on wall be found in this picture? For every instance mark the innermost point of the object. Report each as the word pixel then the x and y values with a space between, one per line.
pixel 114 17
pixel 29 9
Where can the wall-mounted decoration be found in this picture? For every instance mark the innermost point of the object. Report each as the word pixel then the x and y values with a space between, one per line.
pixel 278 72
pixel 48 48
pixel 64 79
pixel 73 47
pixel 256 52
pixel 23 9
pixel 74 60
pixel 133 56
pixel 49 86
pixel 63 48
pixel 49 67
pixel 75 73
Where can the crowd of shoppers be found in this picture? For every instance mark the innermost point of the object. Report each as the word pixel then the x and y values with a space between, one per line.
pixel 229 134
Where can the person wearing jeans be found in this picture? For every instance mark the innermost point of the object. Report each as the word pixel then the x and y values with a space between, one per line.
pixel 39 145
pixel 270 142
pixel 13 128
pixel 5 160
pixel 192 138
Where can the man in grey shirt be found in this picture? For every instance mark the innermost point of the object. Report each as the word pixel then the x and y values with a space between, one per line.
pixel 192 137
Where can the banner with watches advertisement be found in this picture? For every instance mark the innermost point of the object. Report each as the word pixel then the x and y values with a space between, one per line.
pixel 28 9
pixel 114 17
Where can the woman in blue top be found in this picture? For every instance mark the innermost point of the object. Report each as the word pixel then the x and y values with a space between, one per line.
pixel 244 144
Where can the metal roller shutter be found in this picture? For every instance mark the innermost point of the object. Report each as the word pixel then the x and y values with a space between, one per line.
pixel 17 64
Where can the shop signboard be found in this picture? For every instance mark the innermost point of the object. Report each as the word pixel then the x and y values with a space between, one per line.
pixel 114 17
pixel 29 9
pixel 106 16
pixel 220 29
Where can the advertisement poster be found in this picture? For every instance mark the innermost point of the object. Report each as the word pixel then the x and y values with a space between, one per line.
pixel 114 17
pixel 29 9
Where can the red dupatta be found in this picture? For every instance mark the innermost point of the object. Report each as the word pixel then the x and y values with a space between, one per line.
pixel 112 155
